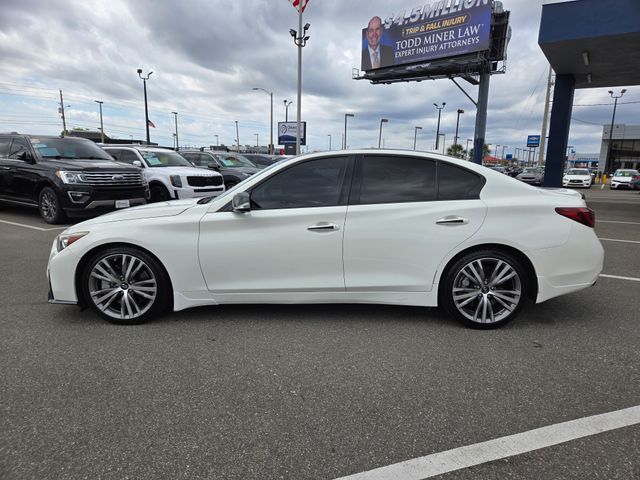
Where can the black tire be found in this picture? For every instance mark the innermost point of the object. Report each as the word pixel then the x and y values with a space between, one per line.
pixel 158 193
pixel 479 304
pixel 139 291
pixel 50 206
pixel 230 185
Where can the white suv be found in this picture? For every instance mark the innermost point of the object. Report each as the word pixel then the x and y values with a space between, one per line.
pixel 170 176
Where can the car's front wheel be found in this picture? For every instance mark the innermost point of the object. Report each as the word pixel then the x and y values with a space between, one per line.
pixel 50 207
pixel 125 285
pixel 485 289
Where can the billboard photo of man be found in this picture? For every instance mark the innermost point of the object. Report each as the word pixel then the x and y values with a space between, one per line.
pixel 374 54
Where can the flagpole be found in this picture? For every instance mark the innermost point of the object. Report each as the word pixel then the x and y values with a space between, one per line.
pixel 299 42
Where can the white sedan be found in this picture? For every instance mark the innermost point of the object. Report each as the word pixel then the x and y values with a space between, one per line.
pixel 357 226
pixel 577 177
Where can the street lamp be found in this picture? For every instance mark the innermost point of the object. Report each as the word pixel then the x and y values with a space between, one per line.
pixel 344 143
pixel 502 155
pixel 469 140
pixel 146 108
pixel 607 163
pixel 438 129
pixel 286 109
pixel 101 126
pixel 455 140
pixel 217 142
pixel 271 138
pixel 382 120
pixel 175 114
pixel 444 141
pixel 329 135
pixel 415 136
pixel 300 41
pixel 237 136
pixel 257 140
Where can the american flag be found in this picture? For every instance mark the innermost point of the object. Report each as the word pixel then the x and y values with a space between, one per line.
pixel 298 3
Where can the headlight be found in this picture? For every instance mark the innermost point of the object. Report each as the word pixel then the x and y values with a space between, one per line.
pixel 69 177
pixel 65 239
pixel 176 181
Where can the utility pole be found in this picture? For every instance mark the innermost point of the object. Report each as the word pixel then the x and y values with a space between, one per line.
pixel 607 164
pixel 300 38
pixel 455 140
pixel 101 126
pixel 415 136
pixel 543 136
pixel 237 136
pixel 177 142
pixel 344 138
pixel 438 130
pixel 64 121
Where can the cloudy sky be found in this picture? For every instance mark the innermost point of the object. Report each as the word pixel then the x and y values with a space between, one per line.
pixel 207 55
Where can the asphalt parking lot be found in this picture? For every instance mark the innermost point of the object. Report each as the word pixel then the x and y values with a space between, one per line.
pixel 313 392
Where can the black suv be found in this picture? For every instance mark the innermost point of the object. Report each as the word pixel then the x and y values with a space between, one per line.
pixel 65 176
pixel 233 166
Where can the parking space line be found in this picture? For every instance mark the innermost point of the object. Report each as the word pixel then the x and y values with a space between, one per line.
pixel 616 240
pixel 32 227
pixel 617 277
pixel 509 446
pixel 615 221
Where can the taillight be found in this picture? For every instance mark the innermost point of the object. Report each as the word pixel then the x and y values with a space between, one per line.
pixel 582 215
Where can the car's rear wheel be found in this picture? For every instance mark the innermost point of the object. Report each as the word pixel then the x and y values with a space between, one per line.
pixel 159 193
pixel 125 285
pixel 485 289
pixel 50 207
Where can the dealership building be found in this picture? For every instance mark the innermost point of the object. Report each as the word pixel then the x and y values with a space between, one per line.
pixel 625 146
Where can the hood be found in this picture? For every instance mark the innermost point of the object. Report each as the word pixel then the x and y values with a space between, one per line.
pixel 578 177
pixel 88 165
pixel 150 210
pixel 185 171
pixel 245 170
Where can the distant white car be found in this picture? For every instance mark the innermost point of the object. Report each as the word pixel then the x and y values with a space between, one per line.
pixel 622 178
pixel 356 226
pixel 170 175
pixel 577 177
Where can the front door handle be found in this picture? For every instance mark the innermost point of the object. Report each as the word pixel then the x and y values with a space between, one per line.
pixel 452 220
pixel 323 227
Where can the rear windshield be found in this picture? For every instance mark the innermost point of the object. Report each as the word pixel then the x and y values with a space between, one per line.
pixel 68 149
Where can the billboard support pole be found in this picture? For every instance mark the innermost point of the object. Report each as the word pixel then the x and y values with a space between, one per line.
pixel 481 118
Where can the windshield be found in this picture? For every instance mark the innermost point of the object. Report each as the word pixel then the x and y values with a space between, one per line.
pixel 68 148
pixel 164 159
pixel 578 171
pixel 624 173
pixel 235 160
pixel 531 170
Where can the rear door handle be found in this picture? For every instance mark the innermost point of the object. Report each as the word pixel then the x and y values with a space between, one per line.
pixel 452 220
pixel 323 227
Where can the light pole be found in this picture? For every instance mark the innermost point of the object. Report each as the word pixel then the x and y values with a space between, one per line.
pixel 607 163
pixel 329 135
pixel 444 140
pixel 469 140
pixel 344 143
pixel 455 140
pixel 237 136
pixel 101 126
pixel 382 120
pixel 271 137
pixel 146 108
pixel 286 109
pixel 300 41
pixel 217 142
pixel 415 136
pixel 257 140
pixel 175 115
pixel 502 156
pixel 438 129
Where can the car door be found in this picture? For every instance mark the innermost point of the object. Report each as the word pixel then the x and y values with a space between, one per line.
pixel 405 215
pixel 290 241
pixel 23 172
pixel 5 166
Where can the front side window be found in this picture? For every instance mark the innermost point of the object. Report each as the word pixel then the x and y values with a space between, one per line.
pixel 18 147
pixel 127 156
pixel 316 183
pixel 396 179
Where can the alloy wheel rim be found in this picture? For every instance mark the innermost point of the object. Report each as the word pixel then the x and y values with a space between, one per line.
pixel 48 205
pixel 122 286
pixel 487 290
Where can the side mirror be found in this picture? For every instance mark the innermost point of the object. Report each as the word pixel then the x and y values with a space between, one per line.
pixel 26 156
pixel 241 202
pixel 137 163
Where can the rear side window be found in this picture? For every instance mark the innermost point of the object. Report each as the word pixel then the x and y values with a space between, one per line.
pixel 396 179
pixel 456 183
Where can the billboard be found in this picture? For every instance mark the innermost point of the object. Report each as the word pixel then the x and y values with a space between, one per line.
pixel 287 133
pixel 438 30
pixel 533 141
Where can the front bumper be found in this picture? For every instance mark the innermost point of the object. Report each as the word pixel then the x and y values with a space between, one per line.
pixel 78 198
